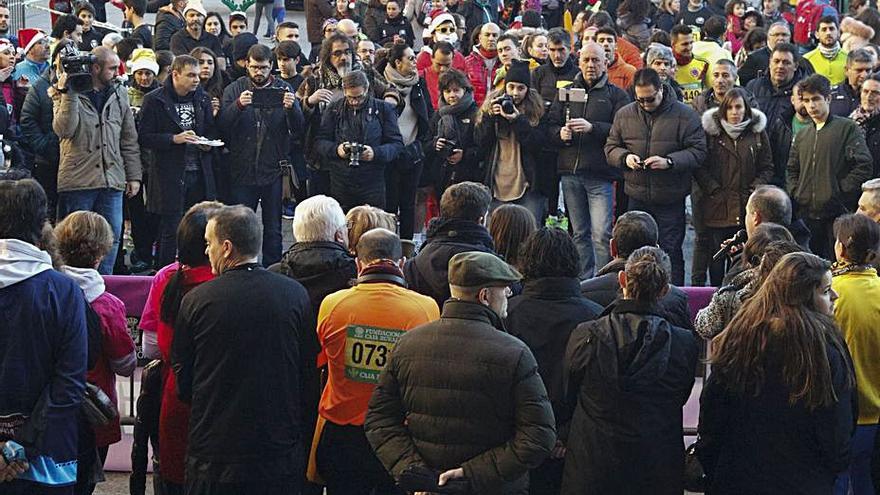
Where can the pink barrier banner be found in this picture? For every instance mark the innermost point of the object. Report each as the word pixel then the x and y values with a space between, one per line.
pixel 131 289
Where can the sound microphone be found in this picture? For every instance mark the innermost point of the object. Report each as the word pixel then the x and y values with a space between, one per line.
pixel 739 238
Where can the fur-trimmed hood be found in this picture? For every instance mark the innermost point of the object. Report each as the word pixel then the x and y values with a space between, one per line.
pixel 713 127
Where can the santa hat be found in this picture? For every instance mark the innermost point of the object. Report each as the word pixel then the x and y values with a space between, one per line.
pixel 5 45
pixel 197 6
pixel 437 21
pixel 143 58
pixel 29 37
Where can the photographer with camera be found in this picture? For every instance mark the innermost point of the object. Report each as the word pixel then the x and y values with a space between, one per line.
pixel 100 157
pixel 509 128
pixel 455 156
pixel 357 139
pixel 579 122
pixel 259 116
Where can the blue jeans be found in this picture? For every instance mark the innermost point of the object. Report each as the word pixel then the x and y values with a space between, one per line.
pixel 269 198
pixel 532 200
pixel 590 207
pixel 105 202
pixel 858 476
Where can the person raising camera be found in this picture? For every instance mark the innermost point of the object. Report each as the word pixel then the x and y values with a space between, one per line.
pixel 100 157
pixel 358 138
pixel 259 116
pixel 509 124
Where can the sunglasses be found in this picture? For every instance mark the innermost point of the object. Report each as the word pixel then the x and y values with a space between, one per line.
pixel 647 99
pixel 445 30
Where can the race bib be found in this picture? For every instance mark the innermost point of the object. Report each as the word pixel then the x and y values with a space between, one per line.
pixel 367 350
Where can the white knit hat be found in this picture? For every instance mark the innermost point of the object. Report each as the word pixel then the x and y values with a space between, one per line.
pixel 143 58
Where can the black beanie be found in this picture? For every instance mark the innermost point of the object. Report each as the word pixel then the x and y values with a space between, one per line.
pixel 519 73
pixel 241 44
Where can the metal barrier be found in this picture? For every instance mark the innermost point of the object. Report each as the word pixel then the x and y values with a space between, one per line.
pixel 16 15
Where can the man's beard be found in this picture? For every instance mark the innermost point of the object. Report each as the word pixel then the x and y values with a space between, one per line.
pixel 343 70
pixel 259 80
pixel 4 28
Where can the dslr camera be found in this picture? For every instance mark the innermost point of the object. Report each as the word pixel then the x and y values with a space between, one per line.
pixel 506 102
pixel 354 151
pixel 447 149
pixel 77 65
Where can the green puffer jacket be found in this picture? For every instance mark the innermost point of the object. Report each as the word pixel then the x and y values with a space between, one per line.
pixel 98 149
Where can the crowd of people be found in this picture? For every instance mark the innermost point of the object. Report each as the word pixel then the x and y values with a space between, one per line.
pixel 489 205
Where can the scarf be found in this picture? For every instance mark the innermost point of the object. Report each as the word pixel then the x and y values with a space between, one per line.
pixel 844 266
pixel 399 80
pixel 829 53
pixel 488 54
pixel 463 104
pixel 387 268
pixel 734 130
pixel 330 79
pixel 862 116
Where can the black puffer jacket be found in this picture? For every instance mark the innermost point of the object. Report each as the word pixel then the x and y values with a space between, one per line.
pixel 167 23
pixel 583 154
pixel 427 273
pixel 604 289
pixel 461 392
pixel 775 102
pixel 673 131
pixel 547 78
pixel 543 317
pixel 322 267
pixel 629 373
pixel 36 123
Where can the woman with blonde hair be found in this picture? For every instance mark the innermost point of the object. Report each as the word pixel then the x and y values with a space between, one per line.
pixel 363 218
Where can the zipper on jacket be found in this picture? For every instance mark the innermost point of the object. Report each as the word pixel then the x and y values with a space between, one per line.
pixel 814 168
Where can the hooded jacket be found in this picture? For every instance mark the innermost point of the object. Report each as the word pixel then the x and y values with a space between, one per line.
pixel 167 23
pixel 672 130
pixel 629 373
pixel 733 169
pixel 36 123
pixel 43 352
pixel 461 391
pixel 99 147
pixel 583 154
pixel 428 273
pixel 826 168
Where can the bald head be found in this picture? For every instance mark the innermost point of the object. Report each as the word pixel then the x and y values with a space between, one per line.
pixel 592 61
pixel 348 28
pixel 105 67
pixel 767 204
pixel 489 34
pixel 379 244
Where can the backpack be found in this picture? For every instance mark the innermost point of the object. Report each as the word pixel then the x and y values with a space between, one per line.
pixel 807 15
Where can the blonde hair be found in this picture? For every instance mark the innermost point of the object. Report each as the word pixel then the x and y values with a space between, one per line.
pixel 364 218
pixel 84 239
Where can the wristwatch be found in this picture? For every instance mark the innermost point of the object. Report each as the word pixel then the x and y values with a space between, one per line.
pixel 670 162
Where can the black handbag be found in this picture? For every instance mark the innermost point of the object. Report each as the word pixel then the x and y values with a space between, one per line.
pixel 694 476
pixel 97 407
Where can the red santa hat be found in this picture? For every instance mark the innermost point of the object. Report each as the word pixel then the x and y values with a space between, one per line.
pixel 29 37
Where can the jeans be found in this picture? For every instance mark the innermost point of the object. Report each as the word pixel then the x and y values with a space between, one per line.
pixel 264 9
pixel 670 220
pixel 858 476
pixel 269 198
pixel 532 200
pixel 401 182
pixel 590 207
pixel 193 192
pixel 706 243
pixel 105 202
pixel 348 465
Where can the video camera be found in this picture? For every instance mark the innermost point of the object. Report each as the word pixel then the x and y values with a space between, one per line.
pixel 78 67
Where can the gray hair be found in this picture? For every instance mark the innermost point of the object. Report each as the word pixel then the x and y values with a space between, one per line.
pixel 872 185
pixel 318 218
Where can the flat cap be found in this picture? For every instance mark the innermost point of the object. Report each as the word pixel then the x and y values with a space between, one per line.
pixel 479 269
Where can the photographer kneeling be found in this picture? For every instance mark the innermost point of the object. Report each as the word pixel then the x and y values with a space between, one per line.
pixel 509 124
pixel 358 138
pixel 100 157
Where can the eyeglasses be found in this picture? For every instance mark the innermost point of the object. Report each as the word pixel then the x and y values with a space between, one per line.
pixel 261 68
pixel 647 99
pixel 355 99
pixel 339 53
pixel 445 30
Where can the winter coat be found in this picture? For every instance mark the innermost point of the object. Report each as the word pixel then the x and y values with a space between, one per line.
pixel 673 130
pixel 725 303
pixel 427 273
pixel 636 31
pixel 458 128
pixel 480 76
pixel 36 123
pixel 377 128
pixel 547 79
pixel 373 20
pixel 629 373
pixel 420 101
pixel 871 128
pixel 529 138
pixel 583 154
pixel 732 170
pixel 763 444
pixel 322 267
pixel 543 316
pixel 826 168
pixel 775 102
pixel 707 99
pixel 462 392
pixel 99 149
pixel 167 23
pixel 401 26
pixel 158 124
pixel 605 289
pixel 316 11
pixel 257 139
pixel 844 99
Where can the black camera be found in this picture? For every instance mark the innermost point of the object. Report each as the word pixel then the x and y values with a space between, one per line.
pixel 354 151
pixel 77 65
pixel 447 149
pixel 506 102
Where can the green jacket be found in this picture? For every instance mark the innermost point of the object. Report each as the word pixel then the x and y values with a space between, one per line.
pixel 826 168
pixel 98 150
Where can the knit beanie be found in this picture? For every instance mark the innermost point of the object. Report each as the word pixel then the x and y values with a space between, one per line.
pixel 519 73
pixel 657 51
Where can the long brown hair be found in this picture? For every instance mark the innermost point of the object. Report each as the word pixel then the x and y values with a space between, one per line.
pixel 779 327
pixel 532 106
pixel 510 225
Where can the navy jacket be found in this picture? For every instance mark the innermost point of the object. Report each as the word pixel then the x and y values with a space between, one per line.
pixel 157 126
pixel 257 139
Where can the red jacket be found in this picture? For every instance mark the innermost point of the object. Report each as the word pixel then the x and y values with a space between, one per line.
pixel 423 61
pixel 480 76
